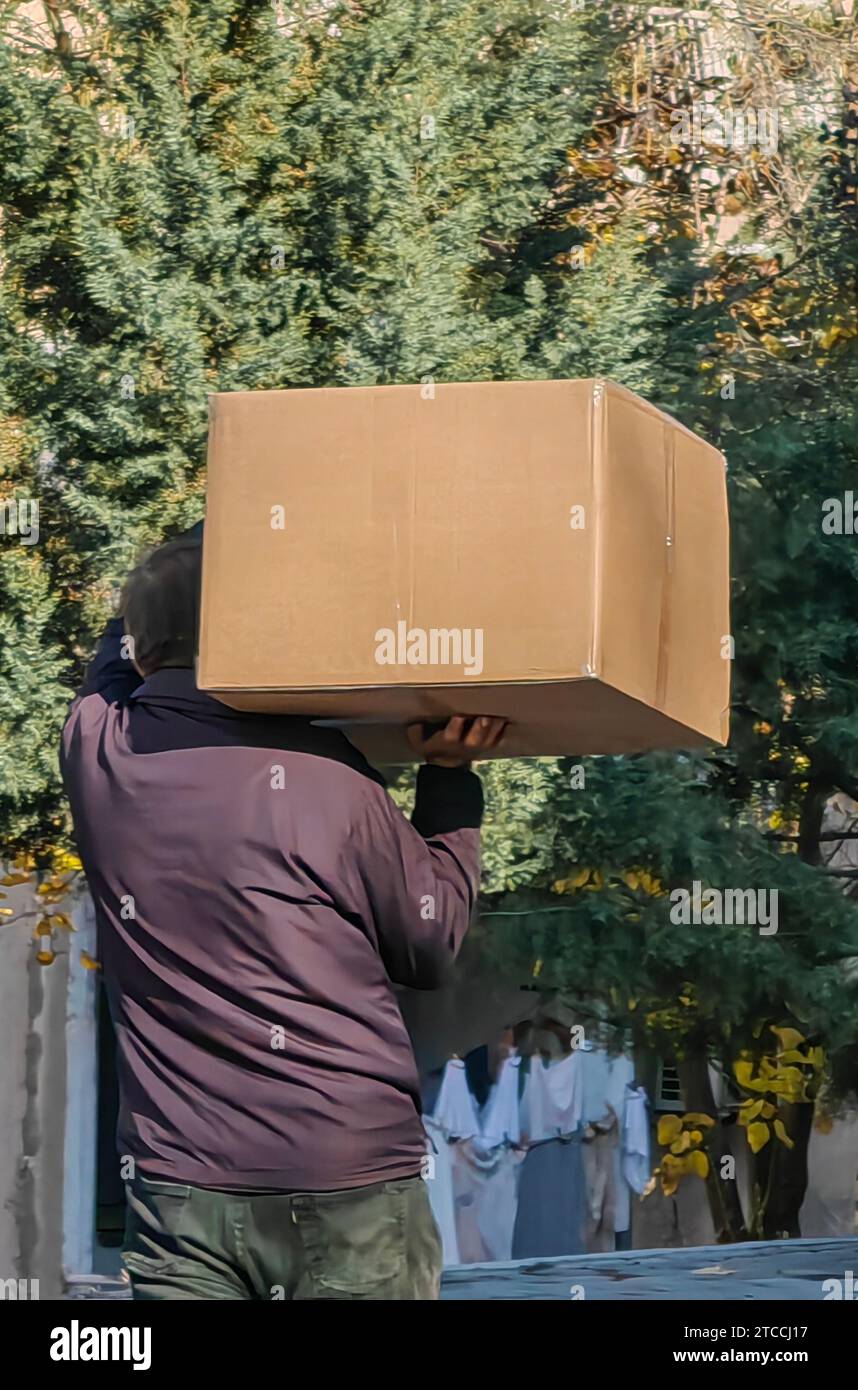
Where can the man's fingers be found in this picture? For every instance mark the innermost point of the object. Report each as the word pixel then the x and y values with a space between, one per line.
pixel 461 731
pixel 454 729
pixel 492 733
pixel 485 732
pixel 476 734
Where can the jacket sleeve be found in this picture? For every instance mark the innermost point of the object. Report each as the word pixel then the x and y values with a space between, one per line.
pixel 422 877
pixel 111 673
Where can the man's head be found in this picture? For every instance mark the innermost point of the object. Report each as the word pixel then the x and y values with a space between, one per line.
pixel 160 604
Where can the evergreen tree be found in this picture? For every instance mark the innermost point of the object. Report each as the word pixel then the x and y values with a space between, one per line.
pixel 217 196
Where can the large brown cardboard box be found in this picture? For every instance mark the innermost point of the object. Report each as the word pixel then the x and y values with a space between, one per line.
pixel 555 552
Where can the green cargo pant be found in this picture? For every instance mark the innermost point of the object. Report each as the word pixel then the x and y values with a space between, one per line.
pixel 378 1242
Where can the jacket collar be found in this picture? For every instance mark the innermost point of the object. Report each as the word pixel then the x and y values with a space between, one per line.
pixel 176 687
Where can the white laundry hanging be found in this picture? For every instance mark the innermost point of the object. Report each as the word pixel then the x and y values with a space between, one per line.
pixel 439 1185
pixel 472 1188
pixel 553 1099
pixel 621 1076
pixel 636 1157
pixel 455 1112
pixel 500 1120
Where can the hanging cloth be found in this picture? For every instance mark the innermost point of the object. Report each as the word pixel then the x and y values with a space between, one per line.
pixel 455 1112
pixel 501 1121
pixel 553 1098
pixel 635 1144
pixel 439 1186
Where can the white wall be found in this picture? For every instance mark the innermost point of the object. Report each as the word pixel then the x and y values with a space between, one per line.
pixel 46 1171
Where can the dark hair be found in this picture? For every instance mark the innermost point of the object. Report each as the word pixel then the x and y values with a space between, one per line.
pixel 160 604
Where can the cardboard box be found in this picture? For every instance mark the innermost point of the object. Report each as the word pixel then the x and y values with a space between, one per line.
pixel 555 552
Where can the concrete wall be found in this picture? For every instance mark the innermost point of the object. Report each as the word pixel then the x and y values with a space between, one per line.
pixel 829 1207
pixel 43 1190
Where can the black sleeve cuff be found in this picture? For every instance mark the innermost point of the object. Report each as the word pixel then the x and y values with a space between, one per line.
pixel 448 799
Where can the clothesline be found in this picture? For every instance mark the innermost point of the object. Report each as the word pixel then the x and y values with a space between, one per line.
pixel 550 1160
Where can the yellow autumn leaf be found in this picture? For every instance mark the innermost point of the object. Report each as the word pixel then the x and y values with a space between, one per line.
pixel 54 884
pixel 7 912
pixel 669 1126
pixel 12 880
pixel 45 957
pixel 699 1163
pixel 697 1136
pixel 780 1131
pixel 749 1110
pixel 537 969
pixel 828 337
pixel 744 1073
pixel 696 1118
pixel 681 1143
pixel 758 1136
pixel 87 961
pixel 787 1037
pixel 631 879
pixel 67 863
pixel 791 1084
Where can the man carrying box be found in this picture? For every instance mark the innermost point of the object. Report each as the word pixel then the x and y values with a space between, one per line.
pixel 258 895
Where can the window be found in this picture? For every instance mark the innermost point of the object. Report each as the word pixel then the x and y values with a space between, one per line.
pixel 668 1092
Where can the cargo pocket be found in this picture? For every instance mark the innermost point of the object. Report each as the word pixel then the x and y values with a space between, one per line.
pixel 155 1222
pixel 354 1241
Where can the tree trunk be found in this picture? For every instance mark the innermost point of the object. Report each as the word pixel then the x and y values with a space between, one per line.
pixel 782 1172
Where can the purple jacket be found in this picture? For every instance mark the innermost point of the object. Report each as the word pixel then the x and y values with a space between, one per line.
pixel 257 892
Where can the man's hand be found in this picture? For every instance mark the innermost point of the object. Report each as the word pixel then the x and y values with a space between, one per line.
pixel 461 741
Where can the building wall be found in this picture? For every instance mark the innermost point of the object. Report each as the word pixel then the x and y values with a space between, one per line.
pixel 47 1016
pixel 32 1106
